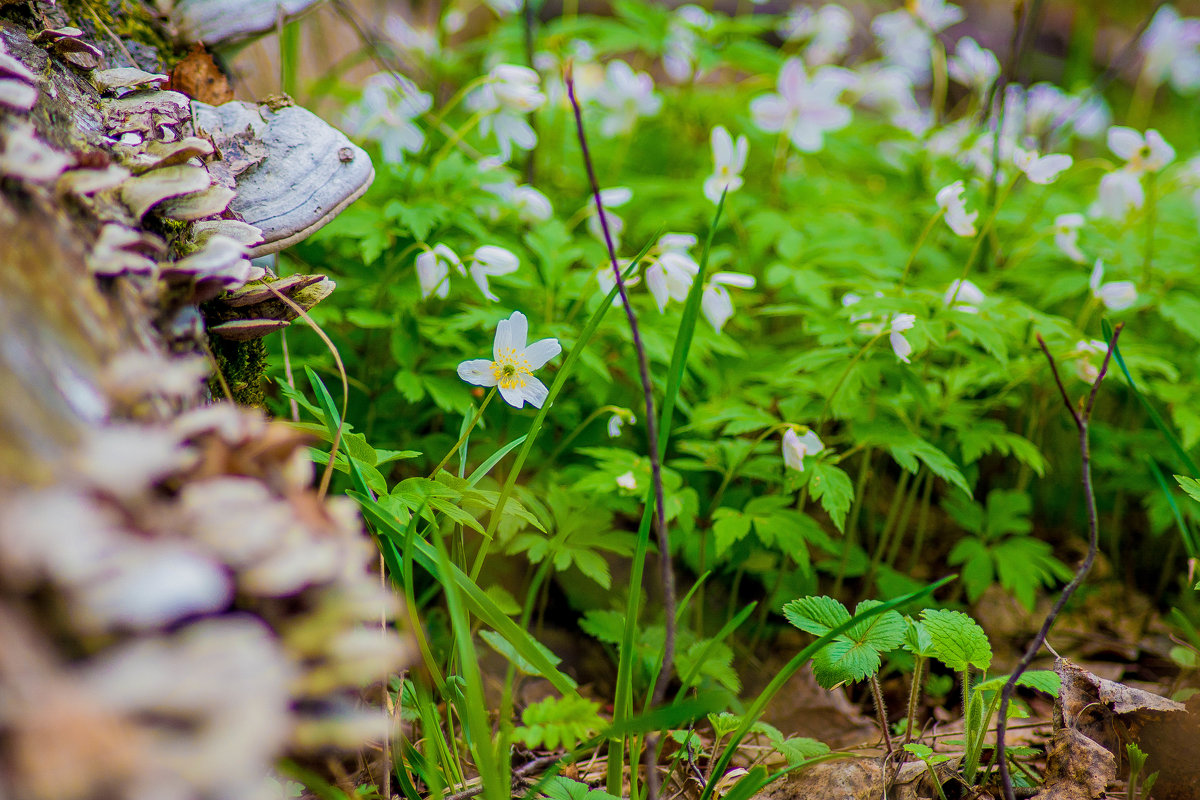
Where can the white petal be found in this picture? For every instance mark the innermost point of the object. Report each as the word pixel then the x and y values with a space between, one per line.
pixel 792 80
pixel 615 196
pixel 900 345
pixel 717 306
pixel 479 274
pixel 714 186
pixel 534 391
pixel 812 444
pixel 541 351
pixel 1097 276
pixel 497 260
pixel 738 279
pixel 770 112
pixel 1124 142
pixel 517 330
pixel 722 147
pixel 656 280
pixel 903 322
pixel 477 371
pixel 513 396
pixel 793 450
pixel 614 426
pixel 1118 295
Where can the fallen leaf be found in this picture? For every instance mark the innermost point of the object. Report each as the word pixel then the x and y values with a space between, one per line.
pixel 199 77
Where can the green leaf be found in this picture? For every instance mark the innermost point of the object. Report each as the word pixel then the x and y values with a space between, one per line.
pixel 729 527
pixel 908 452
pixel 916 638
pixel 556 721
pixel 1189 485
pixel 833 488
pixel 505 648
pixel 958 641
pixel 816 615
pixel 1044 680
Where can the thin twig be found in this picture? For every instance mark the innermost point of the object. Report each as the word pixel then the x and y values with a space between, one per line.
pixel 667 575
pixel 1081 417
pixel 524 769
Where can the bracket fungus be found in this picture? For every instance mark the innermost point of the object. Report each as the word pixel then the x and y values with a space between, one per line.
pixel 17 95
pixel 310 173
pixel 224 23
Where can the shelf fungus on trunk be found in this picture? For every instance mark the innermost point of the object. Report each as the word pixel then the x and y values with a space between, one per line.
pixel 179 607
pixel 222 24
pixel 307 174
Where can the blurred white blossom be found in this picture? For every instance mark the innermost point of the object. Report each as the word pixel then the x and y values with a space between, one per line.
pixel 1171 49
pixel 683 33
pixel 826 31
pixel 715 301
pixel 385 114
pixel 433 270
pixel 613 197
pixel 1066 236
pixel 900 345
pixel 1040 169
pixel 954 207
pixel 805 107
pixel 1116 295
pixel 974 66
pixel 626 95
pixel 729 159
pixel 965 296
pixel 511 92
pixel 796 447
pixel 1147 152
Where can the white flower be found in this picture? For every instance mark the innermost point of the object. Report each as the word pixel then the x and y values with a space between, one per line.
pixel 604 277
pixel 627 481
pixel 671 275
pixel 416 40
pixel 1066 236
pixel 1040 169
pixel 1117 295
pixel 1148 153
pixel 973 66
pixel 950 200
pixel 510 93
pixel 617 420
pixel 715 301
pixel 512 369
pixel 1171 47
pixel 905 43
pixel 729 159
pixel 613 197
pixel 965 295
pixel 385 114
pixel 1120 193
pixel 827 29
pixel 937 14
pixel 900 345
pixel 679 50
pixel 626 95
pixel 1085 364
pixel 433 270
pixel 490 260
pixel 796 447
pixel 887 88
pixel 530 204
pixel 805 108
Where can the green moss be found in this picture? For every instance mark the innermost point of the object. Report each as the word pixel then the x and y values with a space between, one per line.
pixel 243 365
pixel 130 20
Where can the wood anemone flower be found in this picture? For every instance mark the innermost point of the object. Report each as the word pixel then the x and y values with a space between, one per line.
pixel 512 370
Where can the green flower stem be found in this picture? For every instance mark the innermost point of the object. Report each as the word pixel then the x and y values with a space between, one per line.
pixel 463 439
pixel 881 711
pixel 983 234
pixel 851 536
pixel 454 140
pixel 1151 219
pixel 937 101
pixel 736 468
pixel 922 526
pixel 438 119
pixel 846 374
pixel 912 256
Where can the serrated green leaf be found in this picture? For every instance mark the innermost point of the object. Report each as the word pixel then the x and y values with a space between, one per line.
pixel 958 641
pixel 1189 485
pixel 833 488
pixel 556 721
pixel 816 615
pixel 884 632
